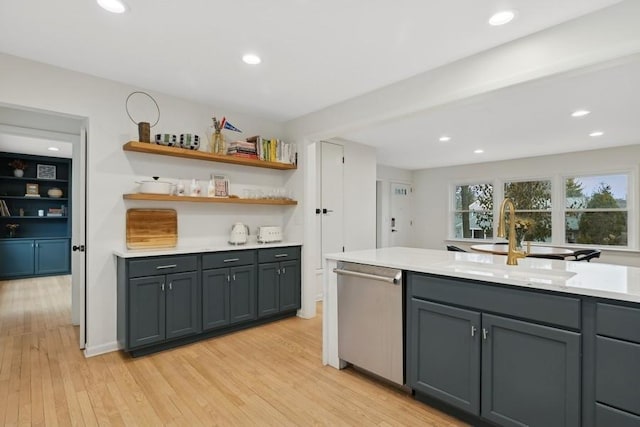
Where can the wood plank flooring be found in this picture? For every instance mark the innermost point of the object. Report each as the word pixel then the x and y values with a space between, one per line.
pixel 269 375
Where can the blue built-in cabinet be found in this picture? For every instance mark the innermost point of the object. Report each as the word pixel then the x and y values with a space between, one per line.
pixel 38 201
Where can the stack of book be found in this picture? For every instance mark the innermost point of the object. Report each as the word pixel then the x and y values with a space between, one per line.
pixel 274 150
pixel 4 210
pixel 54 212
pixel 245 149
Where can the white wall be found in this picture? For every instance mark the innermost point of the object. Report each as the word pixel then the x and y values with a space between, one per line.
pixel 112 172
pixel 432 189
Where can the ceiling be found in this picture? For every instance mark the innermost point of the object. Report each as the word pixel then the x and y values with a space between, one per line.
pixel 316 54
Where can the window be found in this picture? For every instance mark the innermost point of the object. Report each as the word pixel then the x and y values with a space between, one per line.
pixel 473 216
pixel 532 200
pixel 596 209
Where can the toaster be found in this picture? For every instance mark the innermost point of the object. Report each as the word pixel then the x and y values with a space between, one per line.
pixel 269 234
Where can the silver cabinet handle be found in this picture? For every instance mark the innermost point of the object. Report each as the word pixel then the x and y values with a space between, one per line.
pixel 281 255
pixel 162 286
pixel 170 286
pixel 162 267
pixel 485 334
pixel 473 331
pixel 234 277
pixel 231 260
pixel 278 271
pixel 284 271
pixel 228 278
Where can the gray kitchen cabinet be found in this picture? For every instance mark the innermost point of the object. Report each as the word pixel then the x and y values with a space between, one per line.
pixel 530 373
pixel 228 296
pixel 513 372
pixel 165 301
pixel 158 300
pixel 617 356
pixel 278 280
pixel 445 354
pixel 228 288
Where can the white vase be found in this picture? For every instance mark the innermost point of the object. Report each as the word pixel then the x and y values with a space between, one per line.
pixel 18 172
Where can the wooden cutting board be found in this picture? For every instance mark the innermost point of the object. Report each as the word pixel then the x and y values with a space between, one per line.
pixel 152 228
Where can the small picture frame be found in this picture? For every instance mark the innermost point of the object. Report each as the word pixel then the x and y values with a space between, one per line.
pixel 32 190
pixel 46 172
pixel 221 186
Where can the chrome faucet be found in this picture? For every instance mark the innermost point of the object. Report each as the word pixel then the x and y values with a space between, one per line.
pixel 513 254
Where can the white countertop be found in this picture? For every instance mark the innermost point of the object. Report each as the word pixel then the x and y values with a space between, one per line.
pixel 581 278
pixel 209 247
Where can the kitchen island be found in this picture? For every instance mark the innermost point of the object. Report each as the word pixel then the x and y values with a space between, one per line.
pixel 546 342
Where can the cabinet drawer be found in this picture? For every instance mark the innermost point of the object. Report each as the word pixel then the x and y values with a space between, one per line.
pixel 227 259
pixel 617 374
pixel 162 265
pixel 618 322
pixel 278 254
pixel 606 416
pixel 545 308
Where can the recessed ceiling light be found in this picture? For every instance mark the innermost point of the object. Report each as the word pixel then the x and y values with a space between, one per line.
pixel 478 151
pixel 502 18
pixel 445 138
pixel 596 133
pixel 113 6
pixel 251 59
pixel 53 149
pixel 580 113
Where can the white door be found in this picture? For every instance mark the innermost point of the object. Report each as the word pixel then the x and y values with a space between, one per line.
pixel 78 218
pixel 332 198
pixel 401 223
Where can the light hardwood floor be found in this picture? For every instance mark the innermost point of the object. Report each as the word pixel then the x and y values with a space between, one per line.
pixel 269 375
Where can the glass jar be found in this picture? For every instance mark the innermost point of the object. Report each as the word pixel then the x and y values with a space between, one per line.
pixel 217 144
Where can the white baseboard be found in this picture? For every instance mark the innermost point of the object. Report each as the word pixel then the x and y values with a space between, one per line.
pixel 97 350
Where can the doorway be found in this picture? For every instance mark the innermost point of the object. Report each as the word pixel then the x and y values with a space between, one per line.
pixel 34 132
pixel 394 221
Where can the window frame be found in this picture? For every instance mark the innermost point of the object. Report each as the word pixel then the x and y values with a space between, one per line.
pixel 453 211
pixel 632 215
pixel 558 203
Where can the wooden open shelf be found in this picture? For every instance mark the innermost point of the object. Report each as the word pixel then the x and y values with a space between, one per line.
pixel 167 198
pixel 145 147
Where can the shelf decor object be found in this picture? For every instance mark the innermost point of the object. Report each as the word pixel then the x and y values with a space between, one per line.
pixel 144 128
pixel 46 172
pixel 18 167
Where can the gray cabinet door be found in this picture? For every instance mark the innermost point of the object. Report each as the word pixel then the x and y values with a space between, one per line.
pixel 530 374
pixel 52 256
pixel 289 285
pixel 444 359
pixel 146 311
pixel 215 298
pixel 268 292
pixel 16 258
pixel 182 312
pixel 242 294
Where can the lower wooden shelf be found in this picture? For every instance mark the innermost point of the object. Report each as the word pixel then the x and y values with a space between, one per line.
pixel 168 198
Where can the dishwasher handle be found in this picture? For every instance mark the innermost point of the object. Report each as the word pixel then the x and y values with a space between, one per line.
pixel 394 280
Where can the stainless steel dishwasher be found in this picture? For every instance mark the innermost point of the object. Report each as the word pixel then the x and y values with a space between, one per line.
pixel 370 319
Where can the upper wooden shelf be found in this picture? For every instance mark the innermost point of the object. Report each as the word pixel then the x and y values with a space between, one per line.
pixel 145 147
pixel 168 198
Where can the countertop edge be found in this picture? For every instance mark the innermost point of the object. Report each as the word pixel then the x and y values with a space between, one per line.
pixel 138 253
